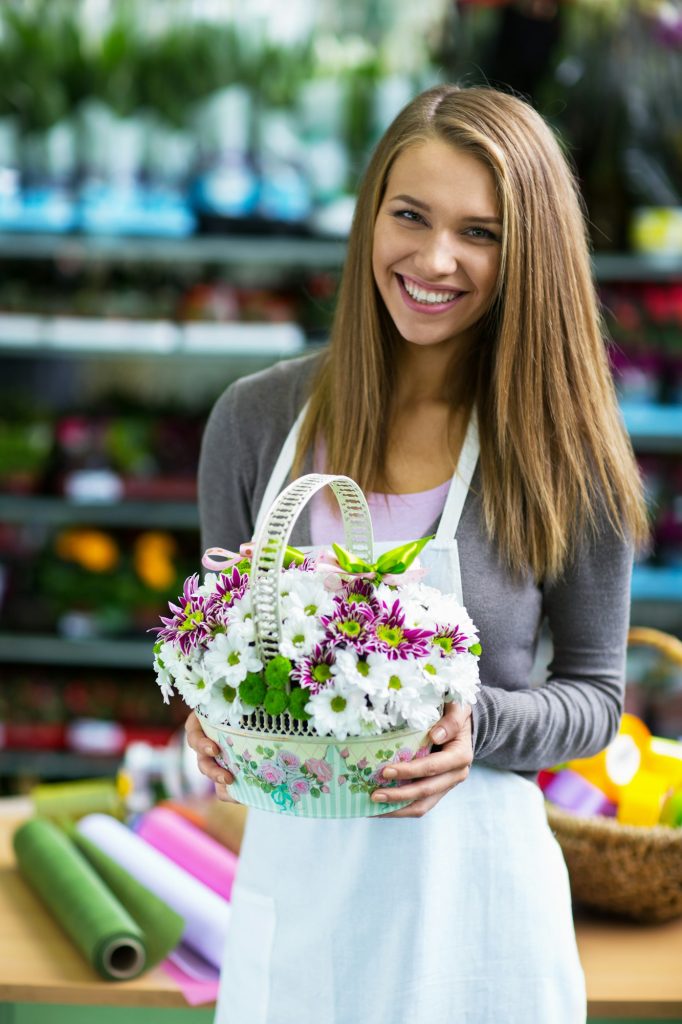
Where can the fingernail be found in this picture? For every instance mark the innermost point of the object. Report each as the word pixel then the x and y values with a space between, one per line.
pixel 438 734
pixel 222 779
pixel 389 773
pixel 380 797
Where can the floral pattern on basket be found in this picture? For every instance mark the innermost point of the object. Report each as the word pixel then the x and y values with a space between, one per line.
pixel 281 773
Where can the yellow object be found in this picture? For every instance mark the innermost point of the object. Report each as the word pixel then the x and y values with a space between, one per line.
pixel 93 549
pixel 62 801
pixel 154 560
pixel 616 765
pixel 641 801
pixel 664 757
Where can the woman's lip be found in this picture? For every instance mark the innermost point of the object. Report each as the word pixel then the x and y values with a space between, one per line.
pixel 428 286
pixel 421 307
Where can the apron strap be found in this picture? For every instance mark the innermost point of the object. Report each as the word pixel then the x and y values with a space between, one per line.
pixel 281 470
pixel 461 482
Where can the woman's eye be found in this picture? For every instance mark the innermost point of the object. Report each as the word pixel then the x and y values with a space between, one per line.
pixel 409 215
pixel 482 233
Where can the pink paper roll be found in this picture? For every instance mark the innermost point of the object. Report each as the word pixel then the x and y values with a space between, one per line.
pixel 190 848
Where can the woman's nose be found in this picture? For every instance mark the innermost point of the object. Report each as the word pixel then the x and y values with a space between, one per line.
pixel 438 255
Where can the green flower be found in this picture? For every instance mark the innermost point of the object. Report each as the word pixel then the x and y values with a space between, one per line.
pixel 252 689
pixel 276 701
pixel 297 702
pixel 277 672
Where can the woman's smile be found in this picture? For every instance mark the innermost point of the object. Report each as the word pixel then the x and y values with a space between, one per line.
pixel 426 298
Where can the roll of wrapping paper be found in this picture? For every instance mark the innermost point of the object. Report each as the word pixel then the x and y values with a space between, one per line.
pixel 575 794
pixel 70 800
pixel 194 850
pixel 77 897
pixel 616 765
pixel 161 927
pixel 664 757
pixel 206 914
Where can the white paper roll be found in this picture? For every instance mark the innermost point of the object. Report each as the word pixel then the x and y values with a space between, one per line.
pixel 206 915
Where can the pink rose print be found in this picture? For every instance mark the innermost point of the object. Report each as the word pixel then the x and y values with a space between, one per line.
pixel 403 754
pixel 320 769
pixel 377 776
pixel 325 789
pixel 288 761
pixel 345 753
pixel 271 772
pixel 299 787
pixel 342 780
pixel 362 763
pixel 423 752
pixel 247 755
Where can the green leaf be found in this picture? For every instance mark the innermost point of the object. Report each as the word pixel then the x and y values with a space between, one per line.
pixel 397 560
pixel 315 792
pixel 367 771
pixel 269 752
pixel 349 561
pixel 475 649
pixel 254 764
pixel 259 749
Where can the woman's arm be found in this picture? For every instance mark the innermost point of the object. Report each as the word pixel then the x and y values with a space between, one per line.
pixel 576 712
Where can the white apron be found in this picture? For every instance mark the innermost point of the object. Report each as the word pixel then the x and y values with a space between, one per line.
pixel 460 917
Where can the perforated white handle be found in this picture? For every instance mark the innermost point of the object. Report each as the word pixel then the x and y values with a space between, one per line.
pixel 272 540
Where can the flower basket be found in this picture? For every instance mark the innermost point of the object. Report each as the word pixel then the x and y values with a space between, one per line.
pixel 331 667
pixel 628 870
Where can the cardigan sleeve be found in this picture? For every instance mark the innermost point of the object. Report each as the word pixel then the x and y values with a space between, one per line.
pixel 576 711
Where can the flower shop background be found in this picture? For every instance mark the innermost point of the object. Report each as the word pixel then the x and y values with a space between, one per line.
pixel 176 184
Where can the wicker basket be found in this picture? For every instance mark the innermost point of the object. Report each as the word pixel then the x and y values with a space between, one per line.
pixel 623 869
pixel 305 774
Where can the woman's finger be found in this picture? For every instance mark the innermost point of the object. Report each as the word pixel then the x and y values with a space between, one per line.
pixel 223 793
pixel 414 810
pixel 436 786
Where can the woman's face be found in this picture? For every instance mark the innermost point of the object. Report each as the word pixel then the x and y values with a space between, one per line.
pixel 437 243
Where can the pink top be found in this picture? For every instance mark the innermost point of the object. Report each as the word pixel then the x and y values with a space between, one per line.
pixel 395 517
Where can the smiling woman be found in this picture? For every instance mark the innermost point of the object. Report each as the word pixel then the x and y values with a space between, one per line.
pixel 466 388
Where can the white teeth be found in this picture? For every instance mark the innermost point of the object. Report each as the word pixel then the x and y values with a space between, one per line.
pixel 427 297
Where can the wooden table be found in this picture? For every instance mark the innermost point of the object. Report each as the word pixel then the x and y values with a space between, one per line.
pixel 633 972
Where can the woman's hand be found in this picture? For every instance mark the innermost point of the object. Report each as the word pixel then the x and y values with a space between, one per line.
pixel 206 751
pixel 440 771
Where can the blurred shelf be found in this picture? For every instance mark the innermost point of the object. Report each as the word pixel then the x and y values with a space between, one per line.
pixel 282 251
pixel 656 583
pixel 45 764
pixel 46 511
pixel 285 251
pixel 653 427
pixel 43 649
pixel 614 266
pixel 22 334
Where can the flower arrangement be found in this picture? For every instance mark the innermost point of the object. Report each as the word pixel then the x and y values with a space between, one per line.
pixel 314 671
pixel 364 649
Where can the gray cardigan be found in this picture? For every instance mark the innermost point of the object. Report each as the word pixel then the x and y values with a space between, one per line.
pixel 576 711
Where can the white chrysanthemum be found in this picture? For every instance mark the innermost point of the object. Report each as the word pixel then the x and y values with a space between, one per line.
pixel 193 687
pixel 461 678
pixel 208 587
pixel 337 711
pixel 240 618
pixel 300 634
pixel 374 721
pixel 224 705
pixel 164 680
pixel 176 664
pixel 229 657
pixel 305 591
pixel 421 711
pixel 366 674
pixel 404 685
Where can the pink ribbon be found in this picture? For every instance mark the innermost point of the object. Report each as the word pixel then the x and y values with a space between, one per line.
pixel 228 559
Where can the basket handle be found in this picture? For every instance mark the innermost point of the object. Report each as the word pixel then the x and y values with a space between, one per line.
pixel 273 537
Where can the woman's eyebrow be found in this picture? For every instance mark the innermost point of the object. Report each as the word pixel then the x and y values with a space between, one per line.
pixel 413 201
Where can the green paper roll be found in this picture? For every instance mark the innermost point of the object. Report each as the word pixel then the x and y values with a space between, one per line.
pixel 71 800
pixel 77 897
pixel 162 927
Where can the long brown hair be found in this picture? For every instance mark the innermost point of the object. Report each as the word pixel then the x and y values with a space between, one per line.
pixel 555 458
